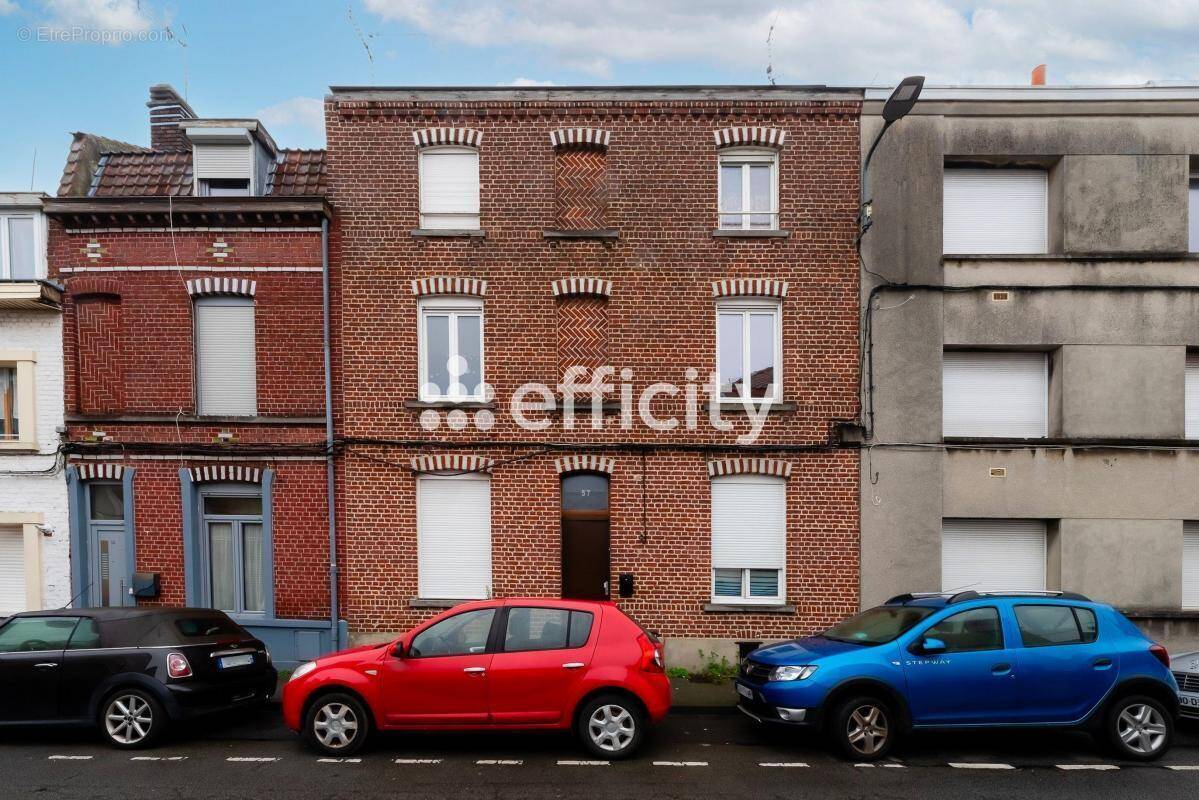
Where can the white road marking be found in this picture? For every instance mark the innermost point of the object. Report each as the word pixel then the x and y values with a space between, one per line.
pixel 250 759
pixel 499 762
pixel 1087 766
pixel 339 760
pixel 584 763
pixel 69 758
pixel 972 765
pixel 1184 767
pixel 782 764
pixel 680 763
pixel 158 758
pixel 418 760
pixel 893 765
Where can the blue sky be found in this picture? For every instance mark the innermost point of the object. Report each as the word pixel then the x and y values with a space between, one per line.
pixel 276 59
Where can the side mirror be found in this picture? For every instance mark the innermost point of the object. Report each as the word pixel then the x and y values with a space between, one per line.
pixel 930 646
pixel 398 650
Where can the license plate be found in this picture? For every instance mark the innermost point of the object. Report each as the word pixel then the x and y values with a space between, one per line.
pixel 745 692
pixel 1189 700
pixel 235 661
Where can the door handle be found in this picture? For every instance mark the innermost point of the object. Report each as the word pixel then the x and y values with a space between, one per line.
pixel 573 665
pixel 1101 663
pixel 606 590
pixel 475 670
pixel 45 665
pixel 1001 669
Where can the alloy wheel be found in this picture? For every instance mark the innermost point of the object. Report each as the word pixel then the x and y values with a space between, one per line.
pixel 1141 728
pixel 867 729
pixel 335 725
pixel 128 719
pixel 612 728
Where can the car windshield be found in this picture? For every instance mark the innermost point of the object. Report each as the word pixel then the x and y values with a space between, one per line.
pixel 878 625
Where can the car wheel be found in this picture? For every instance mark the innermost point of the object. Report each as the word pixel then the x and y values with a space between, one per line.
pixel 1140 728
pixel 863 728
pixel 132 718
pixel 336 724
pixel 611 727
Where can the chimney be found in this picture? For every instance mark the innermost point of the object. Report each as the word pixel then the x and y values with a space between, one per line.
pixel 1038 75
pixel 167 109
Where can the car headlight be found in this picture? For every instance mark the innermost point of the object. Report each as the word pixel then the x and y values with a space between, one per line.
pixel 303 670
pixel 792 673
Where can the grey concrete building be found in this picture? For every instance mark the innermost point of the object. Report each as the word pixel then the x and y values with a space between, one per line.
pixel 1031 319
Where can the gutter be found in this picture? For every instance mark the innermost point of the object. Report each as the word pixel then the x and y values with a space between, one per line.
pixel 330 473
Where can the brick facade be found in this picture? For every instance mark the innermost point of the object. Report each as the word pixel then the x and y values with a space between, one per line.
pixel 660 174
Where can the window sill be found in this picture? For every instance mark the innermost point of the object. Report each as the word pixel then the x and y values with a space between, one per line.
pixel 737 407
pixel 582 406
pixel 467 404
pixel 436 602
pixel 734 233
pixel 599 234
pixel 449 233
pixel 1142 256
pixel 749 608
pixel 191 419
pixel 19 447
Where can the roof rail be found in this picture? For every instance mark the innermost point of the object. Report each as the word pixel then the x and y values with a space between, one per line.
pixel 961 597
pixel 903 598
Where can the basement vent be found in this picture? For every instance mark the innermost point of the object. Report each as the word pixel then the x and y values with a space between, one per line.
pixel 998 472
pixel 1000 297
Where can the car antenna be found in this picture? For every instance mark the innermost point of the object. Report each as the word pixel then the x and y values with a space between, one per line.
pixel 71 602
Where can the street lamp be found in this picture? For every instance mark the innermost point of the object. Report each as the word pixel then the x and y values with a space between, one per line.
pixel 901 101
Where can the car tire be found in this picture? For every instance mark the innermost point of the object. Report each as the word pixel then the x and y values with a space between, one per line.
pixel 611 727
pixel 336 724
pixel 131 719
pixel 864 728
pixel 1139 728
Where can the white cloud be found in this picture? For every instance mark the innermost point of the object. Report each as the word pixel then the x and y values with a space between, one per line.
pixel 527 82
pixel 304 112
pixel 129 16
pixel 8 7
pixel 833 41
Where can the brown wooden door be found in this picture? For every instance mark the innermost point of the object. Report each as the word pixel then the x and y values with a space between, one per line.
pixel 586 543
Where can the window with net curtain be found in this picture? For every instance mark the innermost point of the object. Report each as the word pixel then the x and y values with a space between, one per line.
pixel 234 543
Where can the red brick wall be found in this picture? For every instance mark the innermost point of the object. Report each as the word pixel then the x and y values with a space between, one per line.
pixel 580 188
pixel 661 178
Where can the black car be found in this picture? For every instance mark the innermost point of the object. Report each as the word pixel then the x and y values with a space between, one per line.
pixel 129 671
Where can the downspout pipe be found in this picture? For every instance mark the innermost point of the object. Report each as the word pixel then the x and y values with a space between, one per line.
pixel 330 467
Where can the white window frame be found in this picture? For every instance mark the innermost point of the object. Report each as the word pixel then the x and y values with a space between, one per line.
pixel 452 306
pixel 471 220
pixel 1190 567
pixel 30 525
pixel 978 247
pixel 1193 213
pixel 745 306
pixel 744 157
pixel 1190 400
pixel 39 243
pixel 1042 433
pixel 745 598
pixel 239 301
pixel 423 590
pixel 25 364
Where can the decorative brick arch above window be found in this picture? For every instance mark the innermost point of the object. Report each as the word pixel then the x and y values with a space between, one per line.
pixel 209 287
pixel 749 466
pixel 451 463
pixel 570 286
pixel 100 472
pixel 749 287
pixel 84 285
pixel 593 137
pixel 447 285
pixel 436 137
pixel 225 472
pixel 749 137
pixel 581 463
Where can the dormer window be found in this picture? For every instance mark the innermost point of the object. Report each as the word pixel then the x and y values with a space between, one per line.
pixel 224 187
pixel 230 158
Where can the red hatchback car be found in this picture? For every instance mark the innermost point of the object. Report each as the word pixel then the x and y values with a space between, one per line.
pixel 495 664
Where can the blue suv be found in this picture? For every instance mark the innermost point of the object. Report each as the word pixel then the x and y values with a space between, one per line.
pixel 1019 659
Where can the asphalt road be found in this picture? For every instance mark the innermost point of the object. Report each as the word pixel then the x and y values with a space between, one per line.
pixel 691 755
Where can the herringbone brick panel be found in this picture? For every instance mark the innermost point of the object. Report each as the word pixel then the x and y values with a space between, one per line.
pixel 582 333
pixel 101 384
pixel 580 189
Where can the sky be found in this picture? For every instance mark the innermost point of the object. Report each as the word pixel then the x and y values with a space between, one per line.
pixel 71 65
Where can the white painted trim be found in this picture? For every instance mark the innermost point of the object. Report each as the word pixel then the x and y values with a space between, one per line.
pixel 430 137
pixel 449 285
pixel 225 473
pixel 746 466
pixel 585 463
pixel 749 287
pixel 205 287
pixel 31 558
pixel 593 136
pixel 759 136
pixel 99 471
pixel 569 286
pixel 451 463
pixel 204 268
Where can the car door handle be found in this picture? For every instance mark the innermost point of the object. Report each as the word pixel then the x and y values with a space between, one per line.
pixel 1101 663
pixel 45 665
pixel 475 670
pixel 574 665
pixel 1001 669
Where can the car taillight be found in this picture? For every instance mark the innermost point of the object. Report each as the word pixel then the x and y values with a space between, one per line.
pixel 651 655
pixel 1160 653
pixel 177 666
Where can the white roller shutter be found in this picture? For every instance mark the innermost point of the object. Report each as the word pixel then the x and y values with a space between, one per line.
pixel 226 380
pixel 749 522
pixel 454 537
pixel 995 394
pixel 1004 211
pixel 1191 402
pixel 12 571
pixel 449 188
pixel 223 161
pixel 993 555
pixel 1190 565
